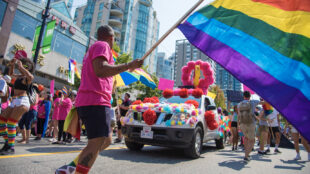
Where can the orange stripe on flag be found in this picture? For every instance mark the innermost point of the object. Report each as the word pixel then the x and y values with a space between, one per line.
pixel 288 5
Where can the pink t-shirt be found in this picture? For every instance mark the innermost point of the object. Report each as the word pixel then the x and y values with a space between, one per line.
pixel 41 109
pixel 64 108
pixel 35 106
pixel 95 90
pixel 56 109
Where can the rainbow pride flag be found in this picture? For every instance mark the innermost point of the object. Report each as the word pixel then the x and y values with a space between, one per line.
pixel 265 45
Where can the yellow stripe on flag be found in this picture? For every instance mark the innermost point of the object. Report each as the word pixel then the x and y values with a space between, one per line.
pixel 287 21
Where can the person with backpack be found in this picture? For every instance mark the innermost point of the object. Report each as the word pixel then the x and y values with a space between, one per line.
pixel 246 119
pixel 20 103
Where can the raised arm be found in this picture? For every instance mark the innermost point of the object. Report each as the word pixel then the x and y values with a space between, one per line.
pixel 24 72
pixel 103 69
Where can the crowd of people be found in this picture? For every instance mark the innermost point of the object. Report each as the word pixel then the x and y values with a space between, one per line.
pixel 93 105
pixel 22 115
pixel 252 119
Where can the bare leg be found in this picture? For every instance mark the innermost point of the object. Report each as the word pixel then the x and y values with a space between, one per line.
pixel 262 140
pixel 27 135
pixel 55 124
pixel 305 143
pixel 90 152
pixel 296 141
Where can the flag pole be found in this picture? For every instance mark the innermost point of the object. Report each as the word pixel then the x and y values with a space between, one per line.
pixel 172 28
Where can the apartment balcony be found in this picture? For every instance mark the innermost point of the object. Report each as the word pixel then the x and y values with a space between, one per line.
pixel 147 3
pixel 117 31
pixel 115 21
pixel 116 11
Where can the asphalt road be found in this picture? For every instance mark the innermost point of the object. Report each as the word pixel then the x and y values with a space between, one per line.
pixel 43 158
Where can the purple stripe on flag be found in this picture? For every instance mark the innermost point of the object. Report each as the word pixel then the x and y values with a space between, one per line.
pixel 287 100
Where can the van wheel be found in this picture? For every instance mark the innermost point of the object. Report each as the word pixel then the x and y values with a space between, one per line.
pixel 133 146
pixel 219 143
pixel 194 150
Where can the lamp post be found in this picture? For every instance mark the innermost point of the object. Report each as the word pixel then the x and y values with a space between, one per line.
pixel 44 17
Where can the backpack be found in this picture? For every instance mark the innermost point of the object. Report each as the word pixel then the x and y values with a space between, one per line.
pixel 245 113
pixel 32 94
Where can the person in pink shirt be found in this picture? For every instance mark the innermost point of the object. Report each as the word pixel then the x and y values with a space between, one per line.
pixel 64 107
pixel 55 116
pixel 44 109
pixel 94 96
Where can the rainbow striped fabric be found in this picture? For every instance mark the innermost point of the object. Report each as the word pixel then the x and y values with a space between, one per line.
pixel 263 43
pixel 127 77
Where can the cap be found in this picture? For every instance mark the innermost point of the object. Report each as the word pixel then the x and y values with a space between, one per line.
pixel 74 92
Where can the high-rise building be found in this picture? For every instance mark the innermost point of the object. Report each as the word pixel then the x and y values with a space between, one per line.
pixel 185 52
pixel 134 22
pixel 17 32
pixel 225 80
pixel 164 66
pixel 100 12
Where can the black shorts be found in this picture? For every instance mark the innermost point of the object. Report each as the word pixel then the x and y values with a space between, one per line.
pixel 96 120
pixel 274 130
pixel 234 124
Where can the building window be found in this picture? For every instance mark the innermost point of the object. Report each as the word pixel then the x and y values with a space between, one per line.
pixel 62 44
pixel 24 25
pixel 78 51
pixel 99 16
pixel 101 6
pixel 3 6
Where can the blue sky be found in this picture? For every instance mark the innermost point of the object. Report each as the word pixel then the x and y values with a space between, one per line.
pixel 168 12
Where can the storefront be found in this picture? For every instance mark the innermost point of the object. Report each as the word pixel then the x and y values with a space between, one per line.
pixel 68 40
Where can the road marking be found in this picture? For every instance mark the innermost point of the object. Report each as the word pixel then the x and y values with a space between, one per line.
pixel 52 153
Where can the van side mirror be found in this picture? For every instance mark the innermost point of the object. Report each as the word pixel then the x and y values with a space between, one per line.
pixel 210 107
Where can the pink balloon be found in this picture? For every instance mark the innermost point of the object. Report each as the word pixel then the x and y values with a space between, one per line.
pixel 191 65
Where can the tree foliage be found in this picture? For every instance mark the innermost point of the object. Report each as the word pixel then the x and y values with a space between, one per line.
pixel 220 99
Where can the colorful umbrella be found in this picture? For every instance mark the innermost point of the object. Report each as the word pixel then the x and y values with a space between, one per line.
pixel 126 78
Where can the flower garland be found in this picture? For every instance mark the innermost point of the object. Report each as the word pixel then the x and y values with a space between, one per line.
pixel 151 100
pixel 206 70
pixel 193 102
pixel 183 93
pixel 210 119
pixel 149 117
pixel 168 93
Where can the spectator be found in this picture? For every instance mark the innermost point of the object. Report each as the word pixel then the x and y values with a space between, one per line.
pixel 124 109
pixel 44 109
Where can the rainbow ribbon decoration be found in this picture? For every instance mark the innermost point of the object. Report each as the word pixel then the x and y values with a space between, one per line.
pixel 265 45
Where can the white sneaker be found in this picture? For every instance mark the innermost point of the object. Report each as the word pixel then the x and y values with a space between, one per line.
pixel 297 157
pixel 65 170
pixel 52 140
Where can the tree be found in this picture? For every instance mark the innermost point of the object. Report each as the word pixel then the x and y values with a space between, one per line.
pixel 143 90
pixel 220 97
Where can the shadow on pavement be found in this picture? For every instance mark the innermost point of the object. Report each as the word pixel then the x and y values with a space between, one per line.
pixel 53 149
pixel 152 154
pixel 299 165
pixel 233 164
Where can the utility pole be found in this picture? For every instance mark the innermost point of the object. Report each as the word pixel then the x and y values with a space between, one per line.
pixel 44 17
